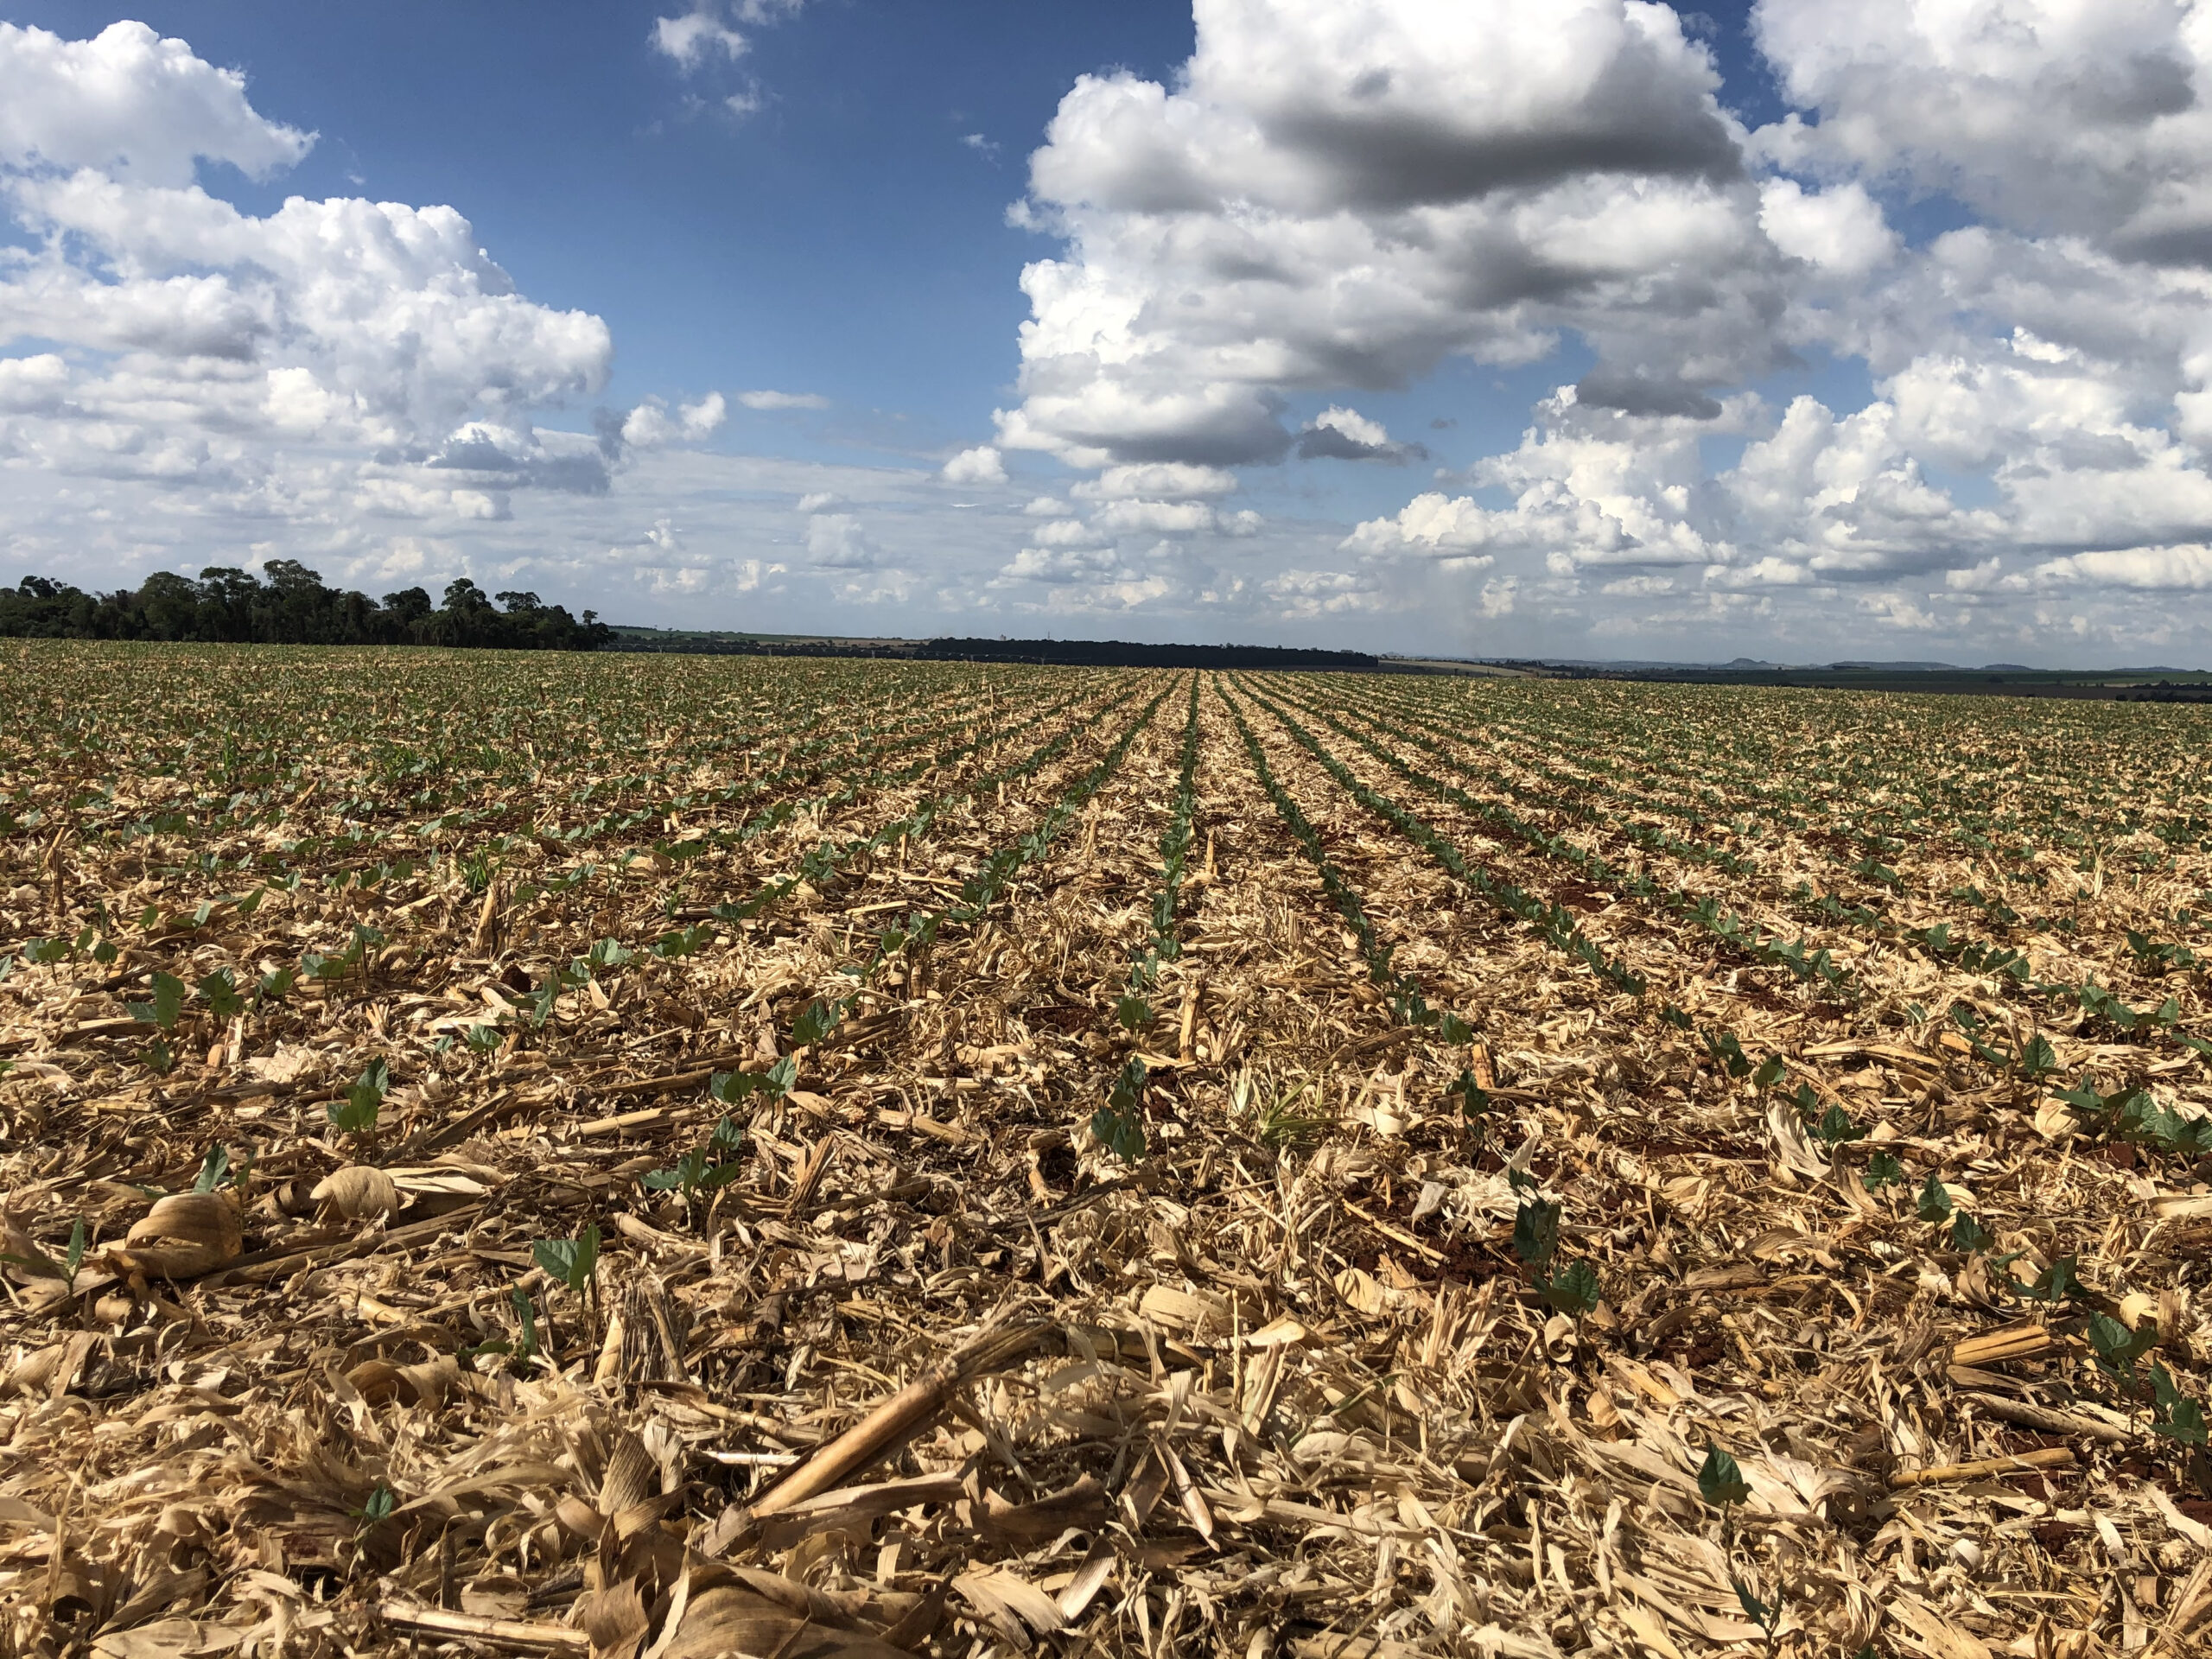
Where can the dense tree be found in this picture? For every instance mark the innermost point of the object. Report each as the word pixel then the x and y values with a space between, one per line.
pixel 288 604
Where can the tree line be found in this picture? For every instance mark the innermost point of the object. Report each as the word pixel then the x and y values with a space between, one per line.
pixel 289 605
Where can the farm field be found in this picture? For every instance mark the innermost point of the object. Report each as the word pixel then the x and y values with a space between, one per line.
pixel 684 1155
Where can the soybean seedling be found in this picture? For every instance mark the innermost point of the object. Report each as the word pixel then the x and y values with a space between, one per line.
pixel 356 1114
pixel 1119 1124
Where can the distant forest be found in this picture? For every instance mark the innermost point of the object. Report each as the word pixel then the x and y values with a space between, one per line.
pixel 290 606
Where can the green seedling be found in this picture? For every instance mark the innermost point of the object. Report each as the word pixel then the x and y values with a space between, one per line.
pixel 704 1168
pixel 1132 1012
pixel 1719 1480
pixel 356 1114
pixel 378 1506
pixel 1968 1236
pixel 158 1057
pixel 2117 1348
pixel 570 1262
pixel 1724 1047
pixel 221 992
pixel 1771 1070
pixel 1535 1232
pixel 1934 1204
pixel 1119 1124
pixel 165 1005
pixel 816 1021
pixel 1473 1099
pixel 1575 1290
pixel 735 1088
pixel 214 1169
pixel 2179 1417
pixel 482 1039
pixel 1755 1610
pixel 66 1269
pixel 2056 1283
pixel 1455 1031
pixel 1835 1129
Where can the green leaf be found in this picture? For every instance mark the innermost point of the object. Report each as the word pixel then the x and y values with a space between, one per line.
pixel 2056 1283
pixel 356 1114
pixel 1456 1030
pixel 157 1058
pixel 1771 1072
pixel 213 1169
pixel 1535 1232
pixel 1969 1235
pixel 1576 1291
pixel 782 1076
pixel 572 1261
pixel 2181 1419
pixel 1474 1100
pixel 733 1088
pixel 2039 1058
pixel 1134 1012
pixel 482 1039
pixel 814 1021
pixel 1835 1128
pixel 166 1004
pixel 1719 1479
pixel 74 1258
pixel 609 953
pixel 1935 1203
pixel 728 1138
pixel 1121 1132
pixel 1755 1610
pixel 1128 1092
pixel 378 1506
pixel 221 995
pixel 2117 1347
pixel 526 1317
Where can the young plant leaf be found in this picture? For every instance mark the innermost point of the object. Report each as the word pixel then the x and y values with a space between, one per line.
pixel 213 1168
pixel 1535 1232
pixel 1883 1170
pixel 1934 1204
pixel 167 1004
pixel 356 1114
pixel 221 995
pixel 1719 1481
pixel 1575 1291
pixel 572 1261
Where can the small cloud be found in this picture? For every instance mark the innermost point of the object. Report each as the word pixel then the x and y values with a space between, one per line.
pixel 783 400
pixel 818 499
pixel 1339 434
pixel 653 424
pixel 981 464
pixel 1045 506
pixel 693 38
pixel 834 541
pixel 981 145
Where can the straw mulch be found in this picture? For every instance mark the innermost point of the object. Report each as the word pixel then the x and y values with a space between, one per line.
pixel 935 1372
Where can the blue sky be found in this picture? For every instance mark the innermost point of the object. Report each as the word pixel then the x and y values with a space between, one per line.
pixel 1847 375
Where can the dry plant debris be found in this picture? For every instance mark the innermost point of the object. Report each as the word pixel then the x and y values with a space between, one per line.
pixel 652 1159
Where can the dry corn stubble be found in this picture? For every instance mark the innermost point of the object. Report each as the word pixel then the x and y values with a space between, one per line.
pixel 380 1274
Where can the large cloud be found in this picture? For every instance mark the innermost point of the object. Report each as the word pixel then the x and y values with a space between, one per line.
pixel 1341 192
pixel 327 353
pixel 1337 195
